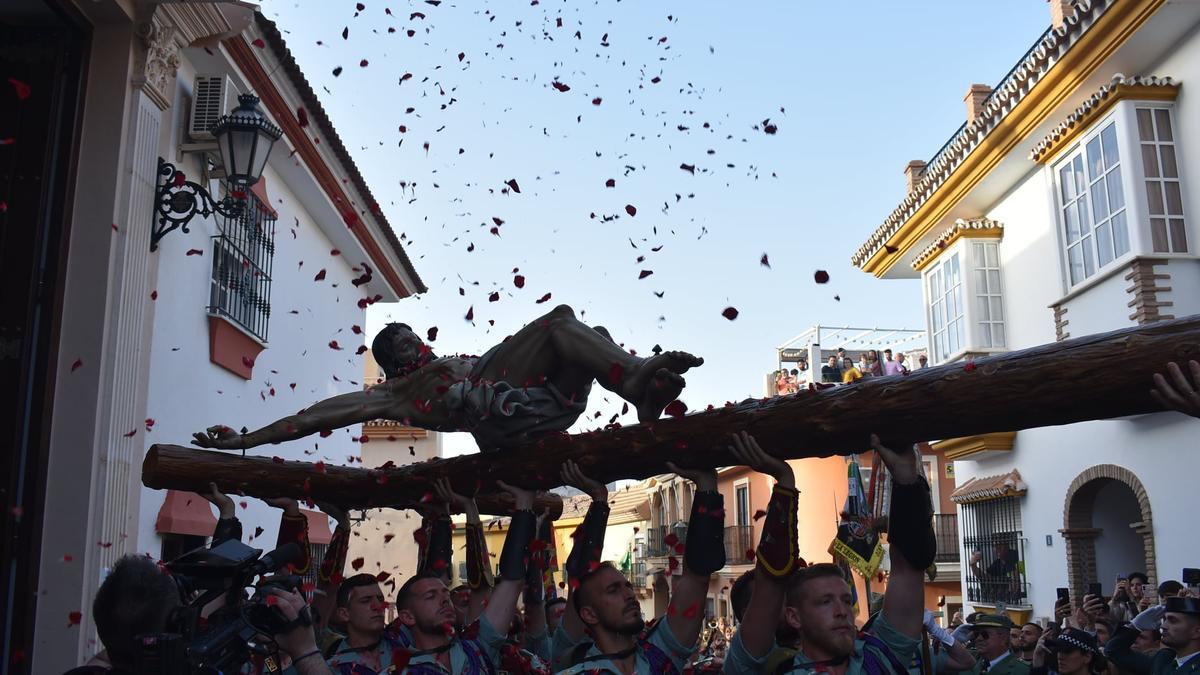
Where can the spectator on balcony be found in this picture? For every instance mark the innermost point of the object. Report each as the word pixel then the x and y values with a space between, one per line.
pixel 901 365
pixel 871 366
pixel 831 372
pixel 1128 596
pixel 786 383
pixel 850 374
pixel 890 367
pixel 922 362
pixel 1000 581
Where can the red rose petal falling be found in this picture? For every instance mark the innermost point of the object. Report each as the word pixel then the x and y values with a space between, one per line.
pixel 259 43
pixel 676 408
pixel 73 618
pixel 22 90
pixel 542 299
pixel 194 251
pixel 631 209
pixel 645 273
pixel 357 564
pixel 519 281
pixel 730 313
pixel 764 261
pixel 821 277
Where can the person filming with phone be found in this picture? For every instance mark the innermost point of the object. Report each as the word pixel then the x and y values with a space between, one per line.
pixel 1178 619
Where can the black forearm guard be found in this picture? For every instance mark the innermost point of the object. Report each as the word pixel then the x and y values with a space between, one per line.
pixel 589 541
pixel 439 555
pixel 704 550
pixel 226 529
pixel 515 556
pixel 910 524
pixel 779 545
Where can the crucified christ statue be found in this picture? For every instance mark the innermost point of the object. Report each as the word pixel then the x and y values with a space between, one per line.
pixel 535 382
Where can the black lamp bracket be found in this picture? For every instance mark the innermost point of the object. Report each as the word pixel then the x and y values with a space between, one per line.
pixel 178 200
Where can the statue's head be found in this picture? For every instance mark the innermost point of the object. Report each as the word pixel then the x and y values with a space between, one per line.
pixel 398 350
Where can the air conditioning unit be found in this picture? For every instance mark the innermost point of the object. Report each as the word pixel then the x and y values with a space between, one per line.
pixel 212 97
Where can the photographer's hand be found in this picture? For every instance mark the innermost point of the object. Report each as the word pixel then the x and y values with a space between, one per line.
pixel 300 643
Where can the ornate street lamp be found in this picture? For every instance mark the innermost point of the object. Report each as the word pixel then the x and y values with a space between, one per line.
pixel 244 139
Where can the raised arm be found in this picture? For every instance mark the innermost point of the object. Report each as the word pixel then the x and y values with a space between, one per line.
pixel 1178 393
pixel 479 566
pixel 910 535
pixel 703 554
pixel 777 549
pixel 513 559
pixel 588 542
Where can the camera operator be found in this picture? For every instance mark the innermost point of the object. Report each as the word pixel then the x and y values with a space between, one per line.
pixel 138 598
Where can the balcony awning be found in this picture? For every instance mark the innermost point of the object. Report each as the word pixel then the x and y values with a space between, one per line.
pixel 318 527
pixel 990 487
pixel 185 513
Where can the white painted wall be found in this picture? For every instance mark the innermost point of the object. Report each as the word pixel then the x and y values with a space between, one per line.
pixel 189 393
pixel 1160 448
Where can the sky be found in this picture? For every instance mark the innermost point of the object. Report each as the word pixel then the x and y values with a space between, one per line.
pixel 672 102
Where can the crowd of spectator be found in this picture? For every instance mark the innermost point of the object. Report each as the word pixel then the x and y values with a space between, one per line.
pixel 842 368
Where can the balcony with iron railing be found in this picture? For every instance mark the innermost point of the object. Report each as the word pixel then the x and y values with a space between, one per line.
pixel 945 532
pixel 637 574
pixel 656 540
pixel 739 539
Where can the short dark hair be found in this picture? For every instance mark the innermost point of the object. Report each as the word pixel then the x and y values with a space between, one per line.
pixel 1139 575
pixel 136 598
pixel 404 595
pixel 348 585
pixel 1169 588
pixel 1108 623
pixel 802 576
pixel 1035 626
pixel 577 595
pixel 739 594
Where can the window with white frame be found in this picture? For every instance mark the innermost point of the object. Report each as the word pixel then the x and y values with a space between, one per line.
pixel 989 302
pixel 1092 204
pixel 946 307
pixel 1164 197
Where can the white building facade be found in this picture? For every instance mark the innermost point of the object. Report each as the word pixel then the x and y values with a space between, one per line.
pixel 1065 206
pixel 240 321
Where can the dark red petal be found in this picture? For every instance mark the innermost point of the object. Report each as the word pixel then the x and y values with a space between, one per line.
pixel 821 277
pixel 631 209
pixel 730 313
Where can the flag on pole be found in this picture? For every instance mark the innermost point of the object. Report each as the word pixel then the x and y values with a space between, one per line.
pixel 857 542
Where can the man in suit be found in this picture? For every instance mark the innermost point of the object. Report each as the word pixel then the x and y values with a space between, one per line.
pixel 1179 620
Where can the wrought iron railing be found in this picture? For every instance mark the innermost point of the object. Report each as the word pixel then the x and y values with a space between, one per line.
pixel 994 546
pixel 945 531
pixel 637 574
pixel 739 539
pixel 657 539
pixel 241 273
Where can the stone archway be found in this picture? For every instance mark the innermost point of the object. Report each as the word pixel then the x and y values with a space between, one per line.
pixel 1079 531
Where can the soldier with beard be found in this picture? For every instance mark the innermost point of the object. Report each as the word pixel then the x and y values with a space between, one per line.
pixel 607 604
pixel 816 600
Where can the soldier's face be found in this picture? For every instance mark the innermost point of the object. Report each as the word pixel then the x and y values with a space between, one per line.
pixel 1179 630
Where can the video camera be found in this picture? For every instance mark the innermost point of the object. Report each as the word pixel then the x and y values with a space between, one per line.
pixel 235 632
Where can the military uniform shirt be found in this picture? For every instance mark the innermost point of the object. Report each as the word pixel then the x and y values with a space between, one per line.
pixel 660 638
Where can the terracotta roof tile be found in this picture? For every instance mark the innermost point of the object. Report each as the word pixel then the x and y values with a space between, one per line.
pixel 1082 114
pixel 320 118
pixel 950 233
pixel 990 487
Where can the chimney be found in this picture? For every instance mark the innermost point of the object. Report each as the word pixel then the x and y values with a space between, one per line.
pixel 1059 11
pixel 913 173
pixel 975 97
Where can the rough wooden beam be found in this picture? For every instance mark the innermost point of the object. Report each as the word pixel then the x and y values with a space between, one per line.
pixel 1057 383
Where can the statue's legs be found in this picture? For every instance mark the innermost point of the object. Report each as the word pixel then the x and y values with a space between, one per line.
pixel 559 348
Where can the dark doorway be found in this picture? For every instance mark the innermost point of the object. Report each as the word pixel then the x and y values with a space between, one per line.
pixel 42 52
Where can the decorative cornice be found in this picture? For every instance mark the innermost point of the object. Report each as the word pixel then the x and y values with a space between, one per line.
pixel 156 66
pixel 972 228
pixel 990 487
pixel 965 447
pixel 1053 69
pixel 382 428
pixel 1144 88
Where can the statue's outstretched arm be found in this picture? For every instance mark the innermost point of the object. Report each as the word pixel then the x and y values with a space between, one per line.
pixel 332 413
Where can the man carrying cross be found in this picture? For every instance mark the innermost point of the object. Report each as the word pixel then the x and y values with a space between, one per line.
pixel 535 382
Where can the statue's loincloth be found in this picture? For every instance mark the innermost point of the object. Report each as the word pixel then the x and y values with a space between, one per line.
pixel 500 415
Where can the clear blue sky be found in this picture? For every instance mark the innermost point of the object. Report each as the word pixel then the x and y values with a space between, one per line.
pixel 856 90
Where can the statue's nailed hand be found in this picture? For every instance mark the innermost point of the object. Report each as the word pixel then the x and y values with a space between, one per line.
pixel 219 437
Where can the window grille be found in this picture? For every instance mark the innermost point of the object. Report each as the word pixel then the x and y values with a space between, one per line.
pixel 241 273
pixel 993 529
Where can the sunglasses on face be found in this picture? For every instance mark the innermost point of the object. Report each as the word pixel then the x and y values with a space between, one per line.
pixel 984 635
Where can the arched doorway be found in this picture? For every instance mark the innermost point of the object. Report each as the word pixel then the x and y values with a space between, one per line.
pixel 1108 528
